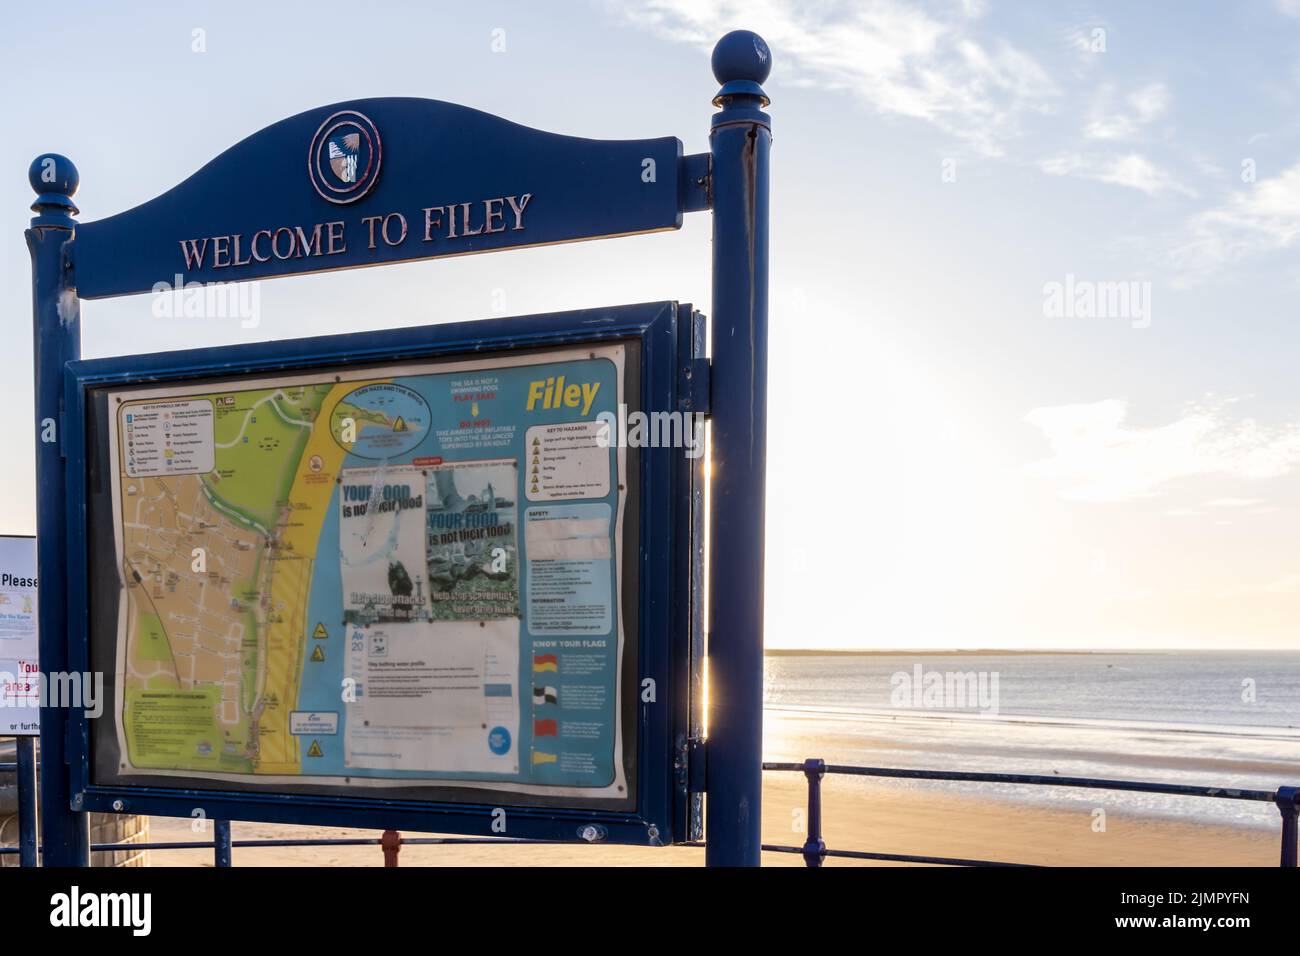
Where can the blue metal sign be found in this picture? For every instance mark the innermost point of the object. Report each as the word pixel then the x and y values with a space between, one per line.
pixel 377 181
pixel 373 182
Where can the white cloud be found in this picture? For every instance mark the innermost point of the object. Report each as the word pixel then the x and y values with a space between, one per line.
pixel 1098 456
pixel 899 58
pixel 1138 172
pixel 1112 117
pixel 1261 217
pixel 1108 126
pixel 934 61
pixel 1133 171
pixel 1115 122
pixel 1149 102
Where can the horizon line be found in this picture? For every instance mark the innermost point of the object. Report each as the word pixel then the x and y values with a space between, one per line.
pixel 955 651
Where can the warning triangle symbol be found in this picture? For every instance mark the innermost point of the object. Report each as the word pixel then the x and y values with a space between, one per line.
pixel 400 424
pixel 318 653
pixel 320 633
pixel 314 750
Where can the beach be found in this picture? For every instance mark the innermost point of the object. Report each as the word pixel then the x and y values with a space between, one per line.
pixel 858 817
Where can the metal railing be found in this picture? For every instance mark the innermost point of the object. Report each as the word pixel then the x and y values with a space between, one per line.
pixel 814 849
pixel 815 852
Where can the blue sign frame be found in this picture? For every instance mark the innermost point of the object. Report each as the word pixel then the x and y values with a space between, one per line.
pixel 663 331
pixel 372 182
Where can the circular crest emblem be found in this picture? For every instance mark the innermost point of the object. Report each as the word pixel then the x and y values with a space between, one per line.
pixel 343 161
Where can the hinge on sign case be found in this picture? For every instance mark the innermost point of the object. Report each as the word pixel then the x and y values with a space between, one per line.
pixel 694 385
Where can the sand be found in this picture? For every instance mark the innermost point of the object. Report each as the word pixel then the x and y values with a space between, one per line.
pixel 857 815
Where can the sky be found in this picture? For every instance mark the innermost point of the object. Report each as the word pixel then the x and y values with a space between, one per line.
pixel 1034 278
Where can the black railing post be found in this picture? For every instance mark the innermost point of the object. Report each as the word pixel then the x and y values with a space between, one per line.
pixel 814 848
pixel 221 842
pixel 27 839
pixel 391 842
pixel 1286 800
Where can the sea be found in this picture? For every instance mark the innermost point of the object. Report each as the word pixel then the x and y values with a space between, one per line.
pixel 1223 719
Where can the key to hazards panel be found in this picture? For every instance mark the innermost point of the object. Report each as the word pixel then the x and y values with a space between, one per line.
pixel 566 461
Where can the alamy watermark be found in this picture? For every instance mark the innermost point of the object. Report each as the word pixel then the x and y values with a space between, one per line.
pixel 76 908
pixel 945 690
pixel 1086 299
pixel 73 690
pixel 214 300
pixel 651 430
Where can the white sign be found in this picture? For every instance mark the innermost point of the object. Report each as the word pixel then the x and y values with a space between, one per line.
pixel 566 461
pixel 19 671
pixel 314 723
pixel 173 438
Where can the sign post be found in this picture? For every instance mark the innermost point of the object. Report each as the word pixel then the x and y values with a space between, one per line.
pixel 740 143
pixel 56 339
pixel 572 711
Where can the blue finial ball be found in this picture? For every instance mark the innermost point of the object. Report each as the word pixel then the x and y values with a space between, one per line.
pixel 741 55
pixel 52 173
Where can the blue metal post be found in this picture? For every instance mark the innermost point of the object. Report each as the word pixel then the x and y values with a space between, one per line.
pixel 814 847
pixel 56 339
pixel 740 142
pixel 27 801
pixel 221 842
pixel 1288 802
